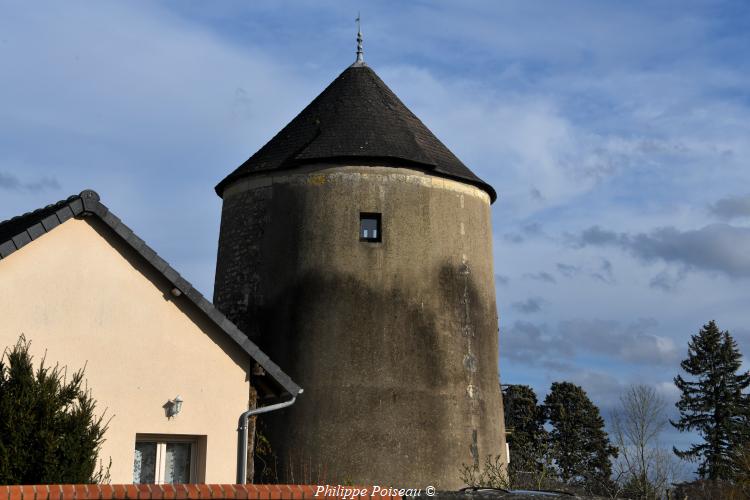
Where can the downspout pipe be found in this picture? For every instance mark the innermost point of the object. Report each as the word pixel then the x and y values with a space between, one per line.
pixel 242 434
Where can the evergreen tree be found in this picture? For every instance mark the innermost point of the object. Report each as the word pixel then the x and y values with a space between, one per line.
pixel 527 438
pixel 714 403
pixel 48 430
pixel 579 444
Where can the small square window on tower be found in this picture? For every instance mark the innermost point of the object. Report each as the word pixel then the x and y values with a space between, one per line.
pixel 369 227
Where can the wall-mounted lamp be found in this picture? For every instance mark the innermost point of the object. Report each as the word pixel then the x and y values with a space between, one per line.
pixel 173 406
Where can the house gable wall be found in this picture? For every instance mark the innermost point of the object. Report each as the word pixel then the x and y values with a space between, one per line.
pixel 83 296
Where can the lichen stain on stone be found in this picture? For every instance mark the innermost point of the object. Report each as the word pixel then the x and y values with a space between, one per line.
pixel 317 180
pixel 470 363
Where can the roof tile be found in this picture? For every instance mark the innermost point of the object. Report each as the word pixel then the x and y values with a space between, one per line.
pixel 21 239
pixel 171 274
pixel 111 219
pixel 36 231
pixel 50 222
pixel 64 213
pixel 124 231
pixel 7 248
pixel 136 242
pixel 150 255
pixel 193 294
pixel 76 206
pixel 357 117
pixel 182 284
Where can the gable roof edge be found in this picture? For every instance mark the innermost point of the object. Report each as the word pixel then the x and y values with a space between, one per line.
pixel 88 203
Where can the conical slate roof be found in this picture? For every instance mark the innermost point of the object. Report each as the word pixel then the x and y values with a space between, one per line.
pixel 356 117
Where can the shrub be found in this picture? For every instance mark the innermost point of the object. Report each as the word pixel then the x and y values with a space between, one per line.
pixel 49 432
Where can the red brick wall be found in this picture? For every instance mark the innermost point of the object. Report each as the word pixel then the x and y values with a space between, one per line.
pixel 160 491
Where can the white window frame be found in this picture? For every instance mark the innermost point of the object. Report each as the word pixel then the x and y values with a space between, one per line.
pixel 364 234
pixel 161 442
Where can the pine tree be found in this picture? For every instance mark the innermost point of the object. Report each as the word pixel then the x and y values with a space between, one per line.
pixel 527 438
pixel 714 403
pixel 48 429
pixel 579 444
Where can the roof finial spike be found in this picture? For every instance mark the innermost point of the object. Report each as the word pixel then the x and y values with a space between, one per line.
pixel 360 52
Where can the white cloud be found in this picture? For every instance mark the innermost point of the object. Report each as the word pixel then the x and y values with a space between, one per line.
pixel 148 108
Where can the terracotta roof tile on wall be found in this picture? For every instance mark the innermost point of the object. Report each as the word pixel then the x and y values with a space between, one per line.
pixel 169 491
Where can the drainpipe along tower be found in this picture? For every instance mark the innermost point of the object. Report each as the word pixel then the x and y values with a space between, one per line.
pixel 356 249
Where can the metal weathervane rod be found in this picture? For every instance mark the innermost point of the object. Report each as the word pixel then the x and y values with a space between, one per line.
pixel 360 52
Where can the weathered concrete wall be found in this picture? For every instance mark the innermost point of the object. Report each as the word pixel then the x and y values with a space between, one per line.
pixel 395 343
pixel 85 298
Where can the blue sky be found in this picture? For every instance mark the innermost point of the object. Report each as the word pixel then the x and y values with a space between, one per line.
pixel 617 135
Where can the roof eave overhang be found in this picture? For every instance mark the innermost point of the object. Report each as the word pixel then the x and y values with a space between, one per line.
pixel 389 161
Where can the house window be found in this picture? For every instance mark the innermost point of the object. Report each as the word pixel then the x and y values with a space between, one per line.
pixel 165 459
pixel 369 227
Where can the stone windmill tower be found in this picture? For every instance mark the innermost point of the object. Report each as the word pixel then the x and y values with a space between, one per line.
pixel 356 249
